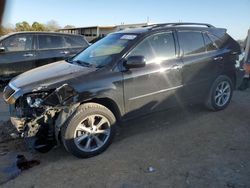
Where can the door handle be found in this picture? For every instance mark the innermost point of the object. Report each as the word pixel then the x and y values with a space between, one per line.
pixel 64 52
pixel 218 58
pixel 176 67
pixel 28 55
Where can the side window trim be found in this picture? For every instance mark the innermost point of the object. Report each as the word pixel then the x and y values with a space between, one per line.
pixel 206 34
pixel 35 42
pixel 214 42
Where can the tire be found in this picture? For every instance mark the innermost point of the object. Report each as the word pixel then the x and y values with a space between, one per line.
pixel 216 93
pixel 89 131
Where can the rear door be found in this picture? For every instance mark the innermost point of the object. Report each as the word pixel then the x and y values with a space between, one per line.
pixel 74 44
pixel 153 87
pixel 51 48
pixel 201 63
pixel 19 54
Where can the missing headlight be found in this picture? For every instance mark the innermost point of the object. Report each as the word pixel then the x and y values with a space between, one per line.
pixel 35 100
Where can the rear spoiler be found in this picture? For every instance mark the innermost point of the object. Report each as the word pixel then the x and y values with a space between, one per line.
pixel 219 32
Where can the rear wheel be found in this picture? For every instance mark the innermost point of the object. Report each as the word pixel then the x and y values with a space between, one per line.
pixel 89 131
pixel 220 93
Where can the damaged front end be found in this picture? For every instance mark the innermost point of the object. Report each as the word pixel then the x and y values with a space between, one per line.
pixel 39 115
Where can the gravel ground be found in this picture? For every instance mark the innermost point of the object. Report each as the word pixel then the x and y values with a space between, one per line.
pixel 189 147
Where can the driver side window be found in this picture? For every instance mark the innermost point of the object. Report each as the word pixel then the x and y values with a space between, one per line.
pixel 156 48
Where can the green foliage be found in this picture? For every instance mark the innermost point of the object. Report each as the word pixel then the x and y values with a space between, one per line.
pixel 6 30
pixel 38 27
pixel 23 26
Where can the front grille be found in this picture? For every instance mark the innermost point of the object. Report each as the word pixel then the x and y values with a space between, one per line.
pixel 8 91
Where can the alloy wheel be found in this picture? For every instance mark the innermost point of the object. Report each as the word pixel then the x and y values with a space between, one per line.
pixel 222 93
pixel 92 133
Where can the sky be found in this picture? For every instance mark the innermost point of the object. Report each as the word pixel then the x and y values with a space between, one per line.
pixel 231 14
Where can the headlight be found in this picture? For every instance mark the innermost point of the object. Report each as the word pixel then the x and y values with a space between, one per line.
pixel 35 100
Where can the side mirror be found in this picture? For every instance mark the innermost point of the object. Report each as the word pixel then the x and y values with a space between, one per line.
pixel 2 49
pixel 135 62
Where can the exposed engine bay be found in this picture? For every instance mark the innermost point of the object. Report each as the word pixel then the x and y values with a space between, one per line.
pixel 39 115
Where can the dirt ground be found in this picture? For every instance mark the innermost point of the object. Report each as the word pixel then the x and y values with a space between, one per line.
pixel 189 147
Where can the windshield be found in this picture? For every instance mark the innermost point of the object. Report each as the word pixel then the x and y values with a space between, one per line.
pixel 104 51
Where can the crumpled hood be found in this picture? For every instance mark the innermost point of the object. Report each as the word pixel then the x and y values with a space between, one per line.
pixel 49 75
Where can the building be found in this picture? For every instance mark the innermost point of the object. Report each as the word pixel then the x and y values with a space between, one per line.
pixel 94 32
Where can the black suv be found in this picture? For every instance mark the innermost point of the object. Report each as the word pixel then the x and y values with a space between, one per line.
pixel 23 51
pixel 125 74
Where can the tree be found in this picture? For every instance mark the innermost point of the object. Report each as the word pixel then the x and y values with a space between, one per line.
pixel 6 29
pixel 38 27
pixel 52 25
pixel 69 27
pixel 23 26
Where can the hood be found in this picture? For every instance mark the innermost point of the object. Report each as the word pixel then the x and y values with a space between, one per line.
pixel 48 75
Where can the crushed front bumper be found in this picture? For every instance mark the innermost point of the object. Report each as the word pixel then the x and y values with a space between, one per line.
pixel 18 123
pixel 16 119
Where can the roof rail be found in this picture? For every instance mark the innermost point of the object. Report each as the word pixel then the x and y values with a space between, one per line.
pixel 180 24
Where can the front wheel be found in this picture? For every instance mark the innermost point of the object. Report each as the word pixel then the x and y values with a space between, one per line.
pixel 220 93
pixel 89 131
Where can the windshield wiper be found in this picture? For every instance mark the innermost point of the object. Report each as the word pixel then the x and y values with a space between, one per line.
pixel 83 63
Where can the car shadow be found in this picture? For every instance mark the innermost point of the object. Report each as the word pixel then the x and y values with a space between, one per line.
pixel 164 119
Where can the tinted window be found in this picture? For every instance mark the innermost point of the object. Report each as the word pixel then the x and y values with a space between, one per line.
pixel 50 41
pixel 191 42
pixel 156 48
pixel 18 43
pixel 209 44
pixel 216 40
pixel 75 41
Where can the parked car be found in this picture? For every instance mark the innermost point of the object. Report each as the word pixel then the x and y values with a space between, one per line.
pixel 124 75
pixel 23 51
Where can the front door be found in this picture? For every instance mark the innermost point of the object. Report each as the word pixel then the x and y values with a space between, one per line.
pixel 153 87
pixel 18 56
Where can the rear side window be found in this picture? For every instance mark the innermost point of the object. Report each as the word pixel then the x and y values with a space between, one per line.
pixel 209 44
pixel 191 42
pixel 75 41
pixel 215 40
pixel 156 48
pixel 18 43
pixel 50 41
